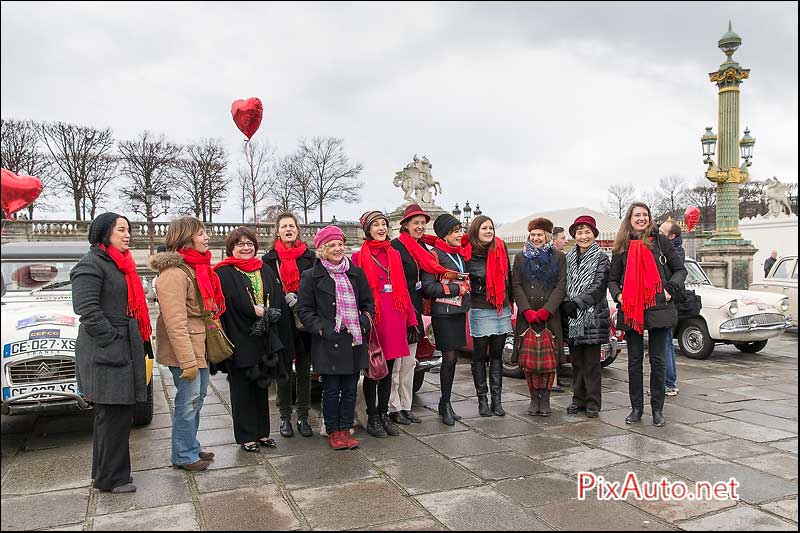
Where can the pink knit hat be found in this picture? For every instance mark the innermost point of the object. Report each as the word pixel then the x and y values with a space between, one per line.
pixel 327 234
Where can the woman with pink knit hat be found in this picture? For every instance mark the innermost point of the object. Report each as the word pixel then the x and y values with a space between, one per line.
pixel 334 304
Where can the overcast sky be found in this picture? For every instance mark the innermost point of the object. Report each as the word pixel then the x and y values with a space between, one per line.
pixel 519 107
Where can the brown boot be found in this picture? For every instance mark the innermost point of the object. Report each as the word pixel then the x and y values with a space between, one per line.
pixel 206 456
pixel 196 466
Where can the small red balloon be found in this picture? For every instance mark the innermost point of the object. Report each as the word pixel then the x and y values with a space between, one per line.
pixel 691 217
pixel 247 115
pixel 18 192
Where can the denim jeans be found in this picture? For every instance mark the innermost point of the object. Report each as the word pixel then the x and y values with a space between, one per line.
pixel 672 371
pixel 186 418
pixel 339 401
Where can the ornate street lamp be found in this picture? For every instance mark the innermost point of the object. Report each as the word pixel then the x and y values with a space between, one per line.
pixel 457 212
pixel 746 147
pixel 709 142
pixel 478 211
pixel 467 213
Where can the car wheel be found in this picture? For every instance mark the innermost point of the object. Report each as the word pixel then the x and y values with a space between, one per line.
pixel 511 368
pixel 143 412
pixel 694 340
pixel 750 347
pixel 419 379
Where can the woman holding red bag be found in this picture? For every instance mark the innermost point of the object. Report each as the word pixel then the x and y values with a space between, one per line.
pixel 539 281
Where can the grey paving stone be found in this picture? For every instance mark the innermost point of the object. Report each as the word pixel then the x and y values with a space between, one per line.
pixel 233 478
pixel 642 447
pixel 787 445
pixel 461 444
pixel 53 469
pixel 773 408
pixel 758 393
pixel 676 413
pixel 744 430
pixel 583 431
pixel 414 524
pixel 71 527
pixel 433 426
pixel 230 456
pixel 741 518
pixel 778 464
pixel 585 460
pixel 479 509
pixel 392 447
pixel 215 422
pixel 344 466
pixel 148 458
pixel 355 505
pixel 299 445
pixel 784 508
pixel 539 489
pixel 677 433
pixel 181 517
pixel 216 437
pixel 47 509
pixel 502 466
pixel 593 515
pixel 754 486
pixel 248 509
pixel 167 486
pixel 542 446
pixel 761 419
pixel 427 473
pixel 498 427
pixel 144 434
pixel 732 448
pixel 214 409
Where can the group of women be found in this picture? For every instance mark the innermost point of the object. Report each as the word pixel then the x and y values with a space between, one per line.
pixel 294 309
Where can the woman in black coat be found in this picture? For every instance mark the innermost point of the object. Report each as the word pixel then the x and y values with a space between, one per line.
pixel 110 347
pixel 586 311
pixel 335 303
pixel 646 272
pixel 256 319
pixel 288 259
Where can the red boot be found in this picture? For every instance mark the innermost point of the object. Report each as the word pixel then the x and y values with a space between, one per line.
pixel 348 439
pixel 336 441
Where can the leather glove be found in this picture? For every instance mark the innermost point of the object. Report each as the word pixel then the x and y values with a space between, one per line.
pixel 569 308
pixel 189 373
pixel 363 319
pixel 530 316
pixel 542 314
pixel 272 315
pixel 412 335
pixel 291 299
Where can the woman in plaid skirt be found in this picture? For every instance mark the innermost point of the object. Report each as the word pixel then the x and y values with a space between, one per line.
pixel 538 282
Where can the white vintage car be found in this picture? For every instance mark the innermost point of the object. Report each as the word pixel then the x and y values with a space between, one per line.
pixel 746 319
pixel 39 329
pixel 782 279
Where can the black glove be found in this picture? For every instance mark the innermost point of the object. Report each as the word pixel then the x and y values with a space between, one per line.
pixel 569 308
pixel 272 314
pixel 365 324
pixel 412 335
pixel 259 327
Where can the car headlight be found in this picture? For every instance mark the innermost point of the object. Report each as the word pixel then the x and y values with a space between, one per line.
pixel 733 308
pixel 785 304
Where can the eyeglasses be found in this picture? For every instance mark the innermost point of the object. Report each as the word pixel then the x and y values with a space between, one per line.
pixel 244 244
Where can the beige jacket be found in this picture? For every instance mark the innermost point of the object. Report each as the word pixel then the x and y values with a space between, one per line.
pixel 180 332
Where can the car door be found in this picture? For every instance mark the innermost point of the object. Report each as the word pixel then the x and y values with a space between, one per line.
pixel 782 280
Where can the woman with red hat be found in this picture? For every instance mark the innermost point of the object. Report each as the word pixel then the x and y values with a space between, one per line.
pixel 586 309
pixel 395 316
pixel 539 279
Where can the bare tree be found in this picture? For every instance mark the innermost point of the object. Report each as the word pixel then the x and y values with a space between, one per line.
pixel 704 197
pixel 200 175
pixel 21 154
pixel 619 198
pixel 751 199
pixel 257 173
pixel 103 173
pixel 299 191
pixel 77 150
pixel 670 193
pixel 242 195
pixel 333 177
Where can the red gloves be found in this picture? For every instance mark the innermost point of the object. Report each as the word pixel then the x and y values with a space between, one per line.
pixel 542 314
pixel 535 317
pixel 530 316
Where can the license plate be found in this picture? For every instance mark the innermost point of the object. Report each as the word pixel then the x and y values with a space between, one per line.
pixel 67 386
pixel 38 345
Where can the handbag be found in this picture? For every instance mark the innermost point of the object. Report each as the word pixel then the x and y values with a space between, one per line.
pixel 377 368
pixel 537 351
pixel 218 346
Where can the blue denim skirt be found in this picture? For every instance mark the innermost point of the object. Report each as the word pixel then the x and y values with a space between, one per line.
pixel 486 322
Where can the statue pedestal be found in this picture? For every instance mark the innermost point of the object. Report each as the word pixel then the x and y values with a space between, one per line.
pixel 397 215
pixel 728 265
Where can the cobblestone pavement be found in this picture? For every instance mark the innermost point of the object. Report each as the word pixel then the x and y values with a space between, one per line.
pixel 735 416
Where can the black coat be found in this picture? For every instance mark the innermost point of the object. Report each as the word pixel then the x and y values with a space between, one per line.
pixel 476 267
pixel 109 350
pixel 239 317
pixel 332 353
pixel 433 288
pixel 593 296
pixel 413 275
pixel 302 340
pixel 673 276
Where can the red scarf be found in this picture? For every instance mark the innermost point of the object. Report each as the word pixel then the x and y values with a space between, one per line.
pixel 248 265
pixel 642 283
pixel 207 280
pixel 425 260
pixel 290 274
pixel 397 277
pixel 496 273
pixel 465 250
pixel 137 305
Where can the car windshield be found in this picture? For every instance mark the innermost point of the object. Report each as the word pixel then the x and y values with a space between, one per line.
pixel 695 274
pixel 20 275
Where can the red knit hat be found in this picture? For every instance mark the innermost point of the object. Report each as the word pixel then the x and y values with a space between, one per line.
pixel 413 210
pixel 327 234
pixel 585 220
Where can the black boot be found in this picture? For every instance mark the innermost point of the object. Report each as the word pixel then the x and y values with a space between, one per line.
pixel 658 418
pixel 634 416
pixel 496 383
pixel 453 413
pixel 374 426
pixel 444 412
pixel 533 409
pixel 544 408
pixel 286 427
pixel 399 418
pixel 388 426
pixel 481 388
pixel 304 427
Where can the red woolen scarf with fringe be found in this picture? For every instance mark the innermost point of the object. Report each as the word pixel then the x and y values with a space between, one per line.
pixel 137 305
pixel 290 274
pixel 397 277
pixel 207 280
pixel 426 260
pixel 641 285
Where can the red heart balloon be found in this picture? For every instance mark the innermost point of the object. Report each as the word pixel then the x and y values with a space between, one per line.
pixel 18 192
pixel 691 217
pixel 247 115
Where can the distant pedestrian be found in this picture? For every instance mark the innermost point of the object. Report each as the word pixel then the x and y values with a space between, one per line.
pixel 559 238
pixel 672 231
pixel 562 382
pixel 773 257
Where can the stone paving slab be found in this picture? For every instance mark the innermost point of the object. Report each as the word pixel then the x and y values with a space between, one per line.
pixel 248 509
pixel 763 419
pixel 773 408
pixel 377 449
pixel 732 448
pixel 778 464
pixel 46 470
pixel 433 426
pixel 355 505
pixel 741 518
pixel 744 430
pixel 589 459
pixel 230 456
pixel 296 472
pixel 414 524
pixel 499 466
pixel 539 489
pixel 167 486
pixel 584 431
pixel 542 446
pixel 788 445
pixel 594 515
pixel 42 510
pixel 479 509
pixel 758 393
pixel 498 427
pixel 784 508
pixel 461 444
pixel 233 478
pixel 677 433
pixel 181 517
pixel 641 447
pixel 428 473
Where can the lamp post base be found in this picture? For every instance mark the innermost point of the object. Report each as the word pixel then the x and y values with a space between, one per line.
pixel 728 261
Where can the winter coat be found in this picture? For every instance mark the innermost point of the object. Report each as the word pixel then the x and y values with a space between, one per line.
pixel 239 317
pixel 673 275
pixel 677 242
pixel 331 352
pixel 593 295
pixel 413 277
pixel 433 288
pixel 180 331
pixel 393 325
pixel 302 339
pixel 476 267
pixel 109 351
pixel 529 295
